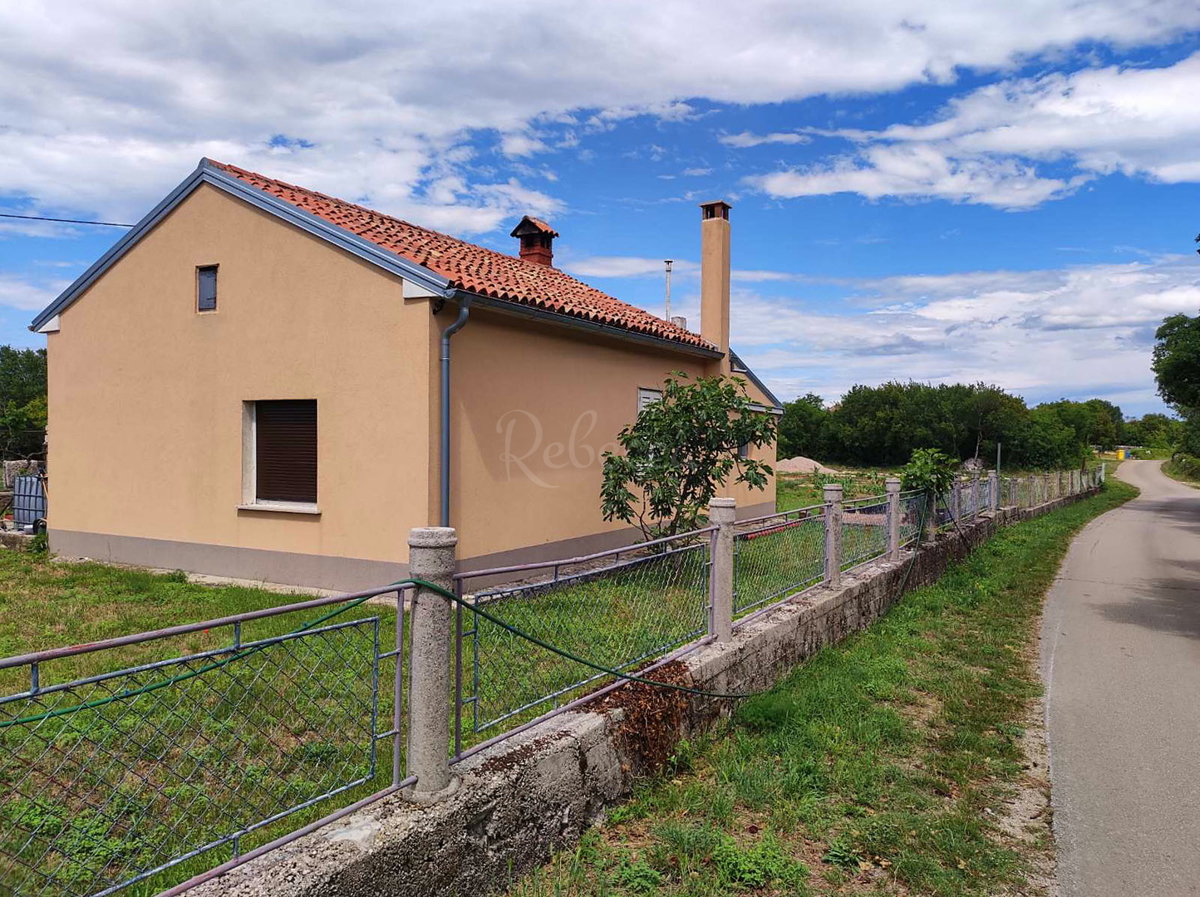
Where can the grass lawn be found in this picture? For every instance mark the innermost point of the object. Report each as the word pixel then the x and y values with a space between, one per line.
pixel 1183 469
pixel 881 766
pixel 101 792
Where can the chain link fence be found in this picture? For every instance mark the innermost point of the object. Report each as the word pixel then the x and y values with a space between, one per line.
pixel 617 609
pixel 150 772
pixel 147 759
pixel 912 513
pixel 864 531
pixel 777 555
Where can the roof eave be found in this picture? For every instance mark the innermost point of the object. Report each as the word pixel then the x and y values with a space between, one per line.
pixel 563 320
pixel 207 173
pixel 733 356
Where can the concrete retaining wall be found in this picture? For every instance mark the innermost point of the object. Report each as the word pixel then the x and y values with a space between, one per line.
pixel 538 791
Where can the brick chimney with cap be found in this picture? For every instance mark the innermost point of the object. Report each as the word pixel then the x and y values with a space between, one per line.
pixel 537 241
pixel 714 275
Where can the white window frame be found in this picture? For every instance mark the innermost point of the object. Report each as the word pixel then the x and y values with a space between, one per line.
pixel 647 396
pixel 250 500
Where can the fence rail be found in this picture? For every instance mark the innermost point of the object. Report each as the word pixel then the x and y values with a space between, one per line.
pixel 777 555
pixel 118 776
pixel 183 751
pixel 618 608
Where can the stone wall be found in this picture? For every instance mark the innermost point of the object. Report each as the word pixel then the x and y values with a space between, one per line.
pixel 538 791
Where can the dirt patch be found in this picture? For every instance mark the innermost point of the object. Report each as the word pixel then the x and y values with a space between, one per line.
pixel 1026 817
pixel 800 464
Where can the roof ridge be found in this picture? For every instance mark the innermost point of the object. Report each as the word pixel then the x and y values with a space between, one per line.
pixel 359 206
pixel 490 273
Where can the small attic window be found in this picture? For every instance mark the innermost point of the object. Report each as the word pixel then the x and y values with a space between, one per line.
pixel 206 288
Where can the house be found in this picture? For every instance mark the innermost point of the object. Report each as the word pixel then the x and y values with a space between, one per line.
pixel 256 382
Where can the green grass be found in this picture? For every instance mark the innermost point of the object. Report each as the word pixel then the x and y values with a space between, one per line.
pixel 877 767
pixel 800 490
pixel 1183 468
pixel 285 724
pixel 132 781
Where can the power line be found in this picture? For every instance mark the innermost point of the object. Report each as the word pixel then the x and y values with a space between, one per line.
pixel 63 220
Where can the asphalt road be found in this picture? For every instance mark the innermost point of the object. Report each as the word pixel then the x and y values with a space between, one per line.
pixel 1121 662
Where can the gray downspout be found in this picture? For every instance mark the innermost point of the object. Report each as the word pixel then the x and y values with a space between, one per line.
pixel 464 308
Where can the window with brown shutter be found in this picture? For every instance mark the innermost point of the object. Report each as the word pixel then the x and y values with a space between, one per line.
pixel 285 451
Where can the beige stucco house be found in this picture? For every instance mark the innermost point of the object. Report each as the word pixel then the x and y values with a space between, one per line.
pixel 251 384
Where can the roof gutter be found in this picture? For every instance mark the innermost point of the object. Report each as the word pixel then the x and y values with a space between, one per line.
pixel 464 309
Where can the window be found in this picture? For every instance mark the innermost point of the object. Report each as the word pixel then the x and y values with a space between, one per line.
pixel 206 288
pixel 647 397
pixel 744 451
pixel 280 442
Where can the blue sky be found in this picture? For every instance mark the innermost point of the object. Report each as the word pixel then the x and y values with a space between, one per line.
pixel 946 194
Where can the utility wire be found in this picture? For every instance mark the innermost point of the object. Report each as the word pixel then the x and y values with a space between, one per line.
pixel 63 220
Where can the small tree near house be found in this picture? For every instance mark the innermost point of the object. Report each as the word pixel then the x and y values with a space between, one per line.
pixel 680 450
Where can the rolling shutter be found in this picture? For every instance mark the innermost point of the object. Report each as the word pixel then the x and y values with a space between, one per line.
pixel 285 447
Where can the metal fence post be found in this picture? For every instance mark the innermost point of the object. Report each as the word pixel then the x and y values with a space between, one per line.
pixel 833 535
pixel 955 503
pixel 893 517
pixel 722 512
pixel 993 490
pixel 975 491
pixel 432 558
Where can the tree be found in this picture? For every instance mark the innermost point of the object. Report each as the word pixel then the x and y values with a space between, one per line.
pixel 680 450
pixel 801 428
pixel 22 402
pixel 1176 361
pixel 1153 431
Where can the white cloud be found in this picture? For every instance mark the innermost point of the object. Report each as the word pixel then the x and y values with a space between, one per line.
pixel 747 139
pixel 1074 332
pixel 520 144
pixel 641 266
pixel 986 147
pixel 923 171
pixel 16 292
pixel 628 266
pixel 107 103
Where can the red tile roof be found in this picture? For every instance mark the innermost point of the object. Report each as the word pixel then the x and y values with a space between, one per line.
pixel 472 268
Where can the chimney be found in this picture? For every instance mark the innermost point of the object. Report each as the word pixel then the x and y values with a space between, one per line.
pixel 537 241
pixel 714 274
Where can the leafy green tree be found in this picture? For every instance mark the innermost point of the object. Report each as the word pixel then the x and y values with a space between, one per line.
pixel 22 402
pixel 802 426
pixel 1153 431
pixel 931 471
pixel 680 450
pixel 1176 361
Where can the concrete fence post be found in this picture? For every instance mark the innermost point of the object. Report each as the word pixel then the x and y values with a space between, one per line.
pixel 722 512
pixel 993 490
pixel 893 517
pixel 955 504
pixel 432 558
pixel 833 535
pixel 975 490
